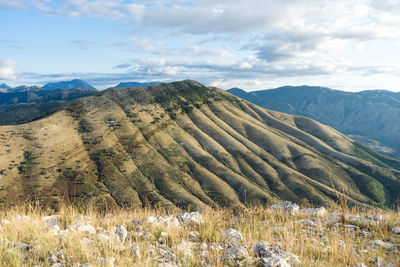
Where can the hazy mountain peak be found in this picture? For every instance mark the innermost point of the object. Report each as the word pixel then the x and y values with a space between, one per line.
pixel 66 85
pixel 4 86
pixel 135 84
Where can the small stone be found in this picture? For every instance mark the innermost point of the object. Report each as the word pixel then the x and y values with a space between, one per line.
pixel 361 264
pixel 270 256
pixel 380 262
pixel 216 247
pixel 51 223
pixel 52 258
pixel 163 238
pixel 169 221
pixel 109 262
pixel 277 229
pixel 232 235
pixel 82 227
pixel 135 251
pixel 168 257
pixel 122 233
pixel 194 236
pixel 350 226
pixel 380 243
pixel 20 245
pixel 21 218
pixel 396 230
pixel 365 233
pixel 235 254
pixel 341 244
pixel 274 261
pixel 87 242
pixel 286 207
pixel 308 222
pixel 314 212
pixel 5 222
pixel 189 219
pixel 185 247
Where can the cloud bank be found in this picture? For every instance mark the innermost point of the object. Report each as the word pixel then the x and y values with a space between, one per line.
pixel 7 69
pixel 253 41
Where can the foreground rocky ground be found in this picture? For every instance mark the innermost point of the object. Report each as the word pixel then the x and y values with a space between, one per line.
pixel 282 235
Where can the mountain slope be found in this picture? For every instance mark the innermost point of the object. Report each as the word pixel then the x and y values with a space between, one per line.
pixel 67 85
pixel 19 107
pixel 135 84
pixel 182 144
pixel 370 117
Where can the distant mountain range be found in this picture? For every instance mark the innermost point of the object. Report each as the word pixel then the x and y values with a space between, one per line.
pixel 62 85
pixel 26 103
pixel 4 86
pixel 370 117
pixel 19 106
pixel 135 84
pixel 67 85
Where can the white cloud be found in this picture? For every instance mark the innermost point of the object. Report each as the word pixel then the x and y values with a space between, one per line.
pixel 12 4
pixel 229 40
pixel 7 69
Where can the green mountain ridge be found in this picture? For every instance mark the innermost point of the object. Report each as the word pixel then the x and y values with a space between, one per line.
pixel 24 106
pixel 185 145
pixel 67 85
pixel 371 117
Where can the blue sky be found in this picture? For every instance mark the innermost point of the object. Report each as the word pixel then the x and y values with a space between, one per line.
pixel 254 44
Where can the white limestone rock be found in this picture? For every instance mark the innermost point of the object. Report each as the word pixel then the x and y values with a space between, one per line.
pixel 186 248
pixel 319 212
pixel 189 219
pixel 20 245
pixel 380 243
pixel 168 221
pixel 169 258
pixel 106 236
pixel 232 235
pixel 108 262
pixel 286 207
pixel 270 256
pixel 382 263
pixel 87 241
pixel 82 227
pixel 21 218
pixel 396 230
pixel 122 233
pixel 194 236
pixel 52 258
pixel 235 254
pixel 135 251
pixel 51 222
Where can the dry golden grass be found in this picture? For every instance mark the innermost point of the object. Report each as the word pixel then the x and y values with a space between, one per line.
pixel 315 246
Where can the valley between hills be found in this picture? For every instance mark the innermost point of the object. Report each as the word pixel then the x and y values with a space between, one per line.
pixel 184 145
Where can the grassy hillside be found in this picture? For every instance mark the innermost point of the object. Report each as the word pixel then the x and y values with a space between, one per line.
pixel 370 117
pixel 185 145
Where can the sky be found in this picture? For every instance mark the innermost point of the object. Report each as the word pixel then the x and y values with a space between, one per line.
pixel 349 45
